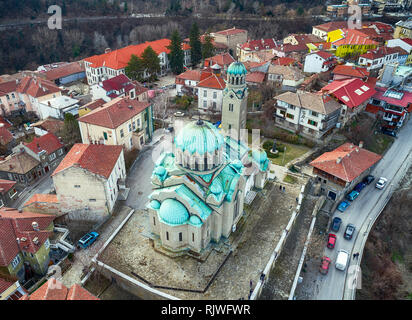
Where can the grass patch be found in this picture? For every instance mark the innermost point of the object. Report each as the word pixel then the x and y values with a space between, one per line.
pixel 397 257
pixel 290 179
pixel 292 152
pixel 409 296
pixel 380 143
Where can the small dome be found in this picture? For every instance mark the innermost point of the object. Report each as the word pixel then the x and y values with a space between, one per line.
pixel 155 204
pixel 216 187
pixel 237 164
pixel 200 136
pixel 237 68
pixel 173 212
pixel 160 170
pixel 259 156
pixel 195 220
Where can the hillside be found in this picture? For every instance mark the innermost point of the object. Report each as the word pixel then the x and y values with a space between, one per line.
pixel 387 261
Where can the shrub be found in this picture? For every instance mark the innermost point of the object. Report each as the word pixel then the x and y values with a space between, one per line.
pixel 268 145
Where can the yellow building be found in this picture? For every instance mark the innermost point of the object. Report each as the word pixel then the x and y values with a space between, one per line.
pixel 354 43
pixel 403 29
pixel 122 121
pixel 25 244
pixel 335 35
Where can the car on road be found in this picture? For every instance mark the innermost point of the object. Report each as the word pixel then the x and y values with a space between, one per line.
pixel 359 187
pixel 349 231
pixel 381 183
pixel 389 132
pixel 331 241
pixel 343 205
pixel 353 195
pixel 368 179
pixel 336 222
pixel 324 265
pixel 342 260
pixel 87 240
pixel 179 114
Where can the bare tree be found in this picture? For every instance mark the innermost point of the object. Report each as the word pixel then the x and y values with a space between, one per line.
pixel 160 107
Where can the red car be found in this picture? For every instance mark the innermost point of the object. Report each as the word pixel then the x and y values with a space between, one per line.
pixel 324 265
pixel 331 241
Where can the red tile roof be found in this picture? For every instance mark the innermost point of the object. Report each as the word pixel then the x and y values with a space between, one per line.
pixel 7 87
pixel 5 123
pixel 380 53
pixel 324 55
pixel 94 104
pixel 115 112
pixel 4 285
pixel 222 60
pixel 355 37
pixel 48 142
pixel 255 77
pixel 40 197
pixel 6 185
pixel 97 158
pixel 351 71
pixel 257 45
pixel 65 70
pixel 283 61
pixel 230 32
pixel 193 75
pixel 405 97
pixel 351 92
pixel 213 82
pixel 51 125
pixel 5 136
pixel 306 38
pixel 36 87
pixel 353 161
pixel 407 40
pixel 118 59
pixel 55 290
pixel 330 26
pixel 289 48
pixel 13 225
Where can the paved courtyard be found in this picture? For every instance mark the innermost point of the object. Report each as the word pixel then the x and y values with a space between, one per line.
pixel 131 251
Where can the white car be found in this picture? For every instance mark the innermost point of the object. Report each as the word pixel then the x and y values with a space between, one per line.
pixel 342 260
pixel 179 114
pixel 381 183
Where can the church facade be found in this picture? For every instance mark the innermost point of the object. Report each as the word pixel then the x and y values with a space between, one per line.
pixel 199 189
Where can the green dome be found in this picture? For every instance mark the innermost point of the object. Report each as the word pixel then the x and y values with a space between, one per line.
pixel 173 212
pixel 200 137
pixel 216 188
pixel 195 220
pixel 155 204
pixel 259 156
pixel 237 68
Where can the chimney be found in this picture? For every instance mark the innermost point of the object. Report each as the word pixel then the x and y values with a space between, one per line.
pixel 36 240
pixel 338 160
pixel 48 102
pixel 361 144
pixel 35 226
pixel 18 240
pixel 107 50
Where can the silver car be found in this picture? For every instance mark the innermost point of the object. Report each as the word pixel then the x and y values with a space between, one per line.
pixel 381 183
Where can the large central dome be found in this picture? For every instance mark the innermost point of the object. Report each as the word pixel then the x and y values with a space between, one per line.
pixel 199 137
pixel 199 146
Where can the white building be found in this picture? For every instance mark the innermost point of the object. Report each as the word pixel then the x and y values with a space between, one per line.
pixel 318 62
pixel 88 180
pixel 210 92
pixel 58 107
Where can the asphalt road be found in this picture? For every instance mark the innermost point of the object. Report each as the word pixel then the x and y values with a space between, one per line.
pixel 367 205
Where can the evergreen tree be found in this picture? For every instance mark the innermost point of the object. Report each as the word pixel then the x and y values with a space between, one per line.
pixel 151 62
pixel 208 49
pixel 195 45
pixel 176 55
pixel 135 68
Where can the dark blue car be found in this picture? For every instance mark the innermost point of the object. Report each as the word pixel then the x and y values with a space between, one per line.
pixel 360 186
pixel 336 222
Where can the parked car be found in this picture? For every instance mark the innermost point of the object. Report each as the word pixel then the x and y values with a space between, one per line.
pixel 343 205
pixel 331 241
pixel 368 179
pixel 381 183
pixel 336 222
pixel 324 265
pixel 353 195
pixel 350 230
pixel 342 260
pixel 179 114
pixel 359 187
pixel 389 132
pixel 87 240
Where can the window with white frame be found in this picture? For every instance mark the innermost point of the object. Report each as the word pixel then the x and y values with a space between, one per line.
pixel 15 261
pixel 60 152
pixel 52 156
pixel 47 243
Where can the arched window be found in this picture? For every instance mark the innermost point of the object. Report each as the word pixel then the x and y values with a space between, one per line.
pixel 237 80
pixel 205 163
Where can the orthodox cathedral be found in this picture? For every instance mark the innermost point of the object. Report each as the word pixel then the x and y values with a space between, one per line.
pixel 199 189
